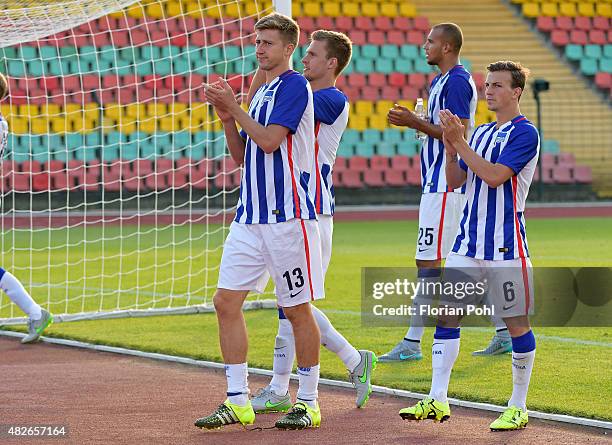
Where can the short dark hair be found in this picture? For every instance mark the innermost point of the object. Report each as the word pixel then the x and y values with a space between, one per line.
pixel 338 45
pixel 4 89
pixel 452 34
pixel 518 72
pixel 288 28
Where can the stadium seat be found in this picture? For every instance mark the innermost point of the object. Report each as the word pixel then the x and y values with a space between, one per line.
pixel 545 24
pixel 583 23
pixel 396 178
pixel 568 9
pixel 578 36
pixel 583 174
pixel 562 175
pixel 559 37
pixel 350 179
pixel 598 37
pixel 379 163
pixel 373 178
pixel 531 10
pixel 358 164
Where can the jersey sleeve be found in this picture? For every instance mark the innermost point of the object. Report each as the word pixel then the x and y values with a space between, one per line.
pixel 462 163
pixel 522 146
pixel 328 105
pixel 290 103
pixel 458 96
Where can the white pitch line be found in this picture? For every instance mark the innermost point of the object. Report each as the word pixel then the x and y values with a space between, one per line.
pixel 328 382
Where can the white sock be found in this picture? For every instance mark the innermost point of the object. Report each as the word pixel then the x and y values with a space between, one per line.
pixel 309 381
pixel 18 295
pixel 444 352
pixel 335 342
pixel 522 364
pixel 284 354
pixel 418 321
pixel 237 386
pixel 500 328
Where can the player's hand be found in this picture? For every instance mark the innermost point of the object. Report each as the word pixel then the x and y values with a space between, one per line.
pixel 402 117
pixel 452 128
pixel 221 95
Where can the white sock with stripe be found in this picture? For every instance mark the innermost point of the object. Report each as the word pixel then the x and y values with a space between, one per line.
pixel 18 295
pixel 335 342
pixel 523 356
pixel 309 382
pixel 423 297
pixel 284 355
pixel 237 386
pixel 444 352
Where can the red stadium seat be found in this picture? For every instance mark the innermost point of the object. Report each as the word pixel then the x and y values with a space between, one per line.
pixel 377 79
pixel 341 164
pixel 396 37
pixel 19 182
pixel 583 23
pixel 41 182
pixel 91 82
pixel 370 93
pixel 141 167
pixel 350 179
pixel 379 163
pixel 395 178
pixel 341 81
pixel 344 24
pixel 545 24
pixel 71 83
pixel 415 38
pixel 357 80
pixel 562 175
pixel 547 160
pixel 564 23
pixel 397 79
pixel 601 23
pixel 410 93
pixel 364 23
pixel 402 23
pixel 49 83
pixel 358 163
pixel 566 159
pixel 373 178
pixel 578 37
pixel 307 24
pixel 413 175
pixel 382 23
pixel 31 166
pixel 400 162
pixel 559 37
pixel 603 80
pixel 389 92
pixel 357 36
pixel 583 174
pixel 597 37
pixel 422 24
pixel 376 37
pixel 417 80
pixel 352 93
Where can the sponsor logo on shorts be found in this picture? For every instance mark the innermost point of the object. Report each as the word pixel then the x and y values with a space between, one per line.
pixel 291 295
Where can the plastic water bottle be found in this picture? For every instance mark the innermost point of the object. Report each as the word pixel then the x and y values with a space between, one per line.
pixel 419 110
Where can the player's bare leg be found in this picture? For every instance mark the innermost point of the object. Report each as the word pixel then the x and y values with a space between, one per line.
pixel 234 344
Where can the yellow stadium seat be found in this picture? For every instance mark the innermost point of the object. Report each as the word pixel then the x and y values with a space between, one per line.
pixel 389 10
pixel 370 9
pixel 80 125
pixel 148 124
pixel 350 9
pixel 113 111
pixel 217 125
pixel 135 110
pixel 193 9
pixel 407 10
pixel 51 109
pixel 136 11
pixel 127 124
pixel 312 9
pixel 358 122
pixel 91 111
pixel 157 109
pixel 58 125
pixel 176 108
pixel 6 109
pixel 174 9
pixel 531 10
pixel 39 125
pixel 586 9
pixel 604 9
pixel 331 9
pixel 549 9
pixel 232 10
pixel 19 125
pixel 28 110
pixel 406 103
pixel 383 106
pixel 364 108
pixel 117 14
pixel 167 123
pixel 568 9
pixel 378 121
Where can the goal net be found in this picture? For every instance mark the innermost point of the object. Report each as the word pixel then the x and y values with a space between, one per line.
pixel 117 190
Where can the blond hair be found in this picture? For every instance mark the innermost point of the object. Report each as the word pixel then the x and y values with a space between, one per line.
pixel 286 26
pixel 338 46
pixel 4 90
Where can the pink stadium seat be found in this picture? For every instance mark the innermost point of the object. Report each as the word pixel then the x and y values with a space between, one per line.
pixel 358 163
pixel 357 36
pixel 379 163
pixel 413 175
pixel 583 23
pixel 417 80
pixel 564 23
pixel 395 178
pixel 603 80
pixel 151 81
pixel 101 39
pixel 141 167
pixel 601 23
pixel 356 80
pixel 91 82
pixel 397 79
pixel 547 174
pixel 598 37
pixel 49 83
pixel 411 93
pixel 421 23
pixel 578 37
pixel 178 179
pixel 341 164
pixel 197 38
pixel 545 24
pixel 370 93
pixel 341 81
pixel 110 82
pixel 19 182
pixel 402 23
pixel 566 159
pixel 303 37
pixel 383 23
pixel 310 24
pixel 364 23
pixel 390 92
pixel 352 93
pixel 415 38
pixel 31 166
pixel 562 175
pixel 548 160
pixel 373 178
pixel 71 83
pixel 105 23
pixel 583 174
pixel 344 24
pixel 119 38
pixel 396 37
pixel 133 184
pixel 376 37
pixel 350 179
pixel 377 79
pixel 559 37
pixel 400 162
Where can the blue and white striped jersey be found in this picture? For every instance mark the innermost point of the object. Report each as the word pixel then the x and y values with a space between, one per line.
pixel 454 91
pixel 493 223
pixel 331 110
pixel 274 186
pixel 3 136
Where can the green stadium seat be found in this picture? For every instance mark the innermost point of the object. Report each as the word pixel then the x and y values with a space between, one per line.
pixel 27 52
pixel 350 136
pixel 404 66
pixel 385 66
pixel 162 67
pixel 605 65
pixel 550 146
pixel 409 52
pixel 36 68
pixel 181 65
pixel 370 52
pixel 9 52
pixel 421 66
pixel 181 139
pixel 364 149
pixel 232 52
pixel 129 150
pixel 345 150
pixel 212 53
pixel 390 51
pixel 365 66
pixel 16 68
pixel 196 152
pixel 170 51
pixel 150 52
pixel 573 52
pixel 592 51
pixel 588 67
pixel 93 139
pixel 408 135
pixel 143 68
pixel 148 149
pixel 48 52
pixel 104 53
pixel 607 51
pixel 407 148
pixel 108 153
pixel 392 136
pixel 371 136
pixel 385 149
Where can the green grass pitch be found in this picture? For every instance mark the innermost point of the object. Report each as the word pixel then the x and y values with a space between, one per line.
pixel 571 373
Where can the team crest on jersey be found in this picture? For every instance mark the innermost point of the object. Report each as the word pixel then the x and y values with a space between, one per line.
pixel 501 136
pixel 268 96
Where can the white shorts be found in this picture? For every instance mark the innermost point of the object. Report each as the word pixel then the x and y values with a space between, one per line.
pixel 439 218
pixel 509 283
pixel 289 252
pixel 326 228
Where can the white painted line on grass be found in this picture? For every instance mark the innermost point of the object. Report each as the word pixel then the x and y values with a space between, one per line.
pixel 334 383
